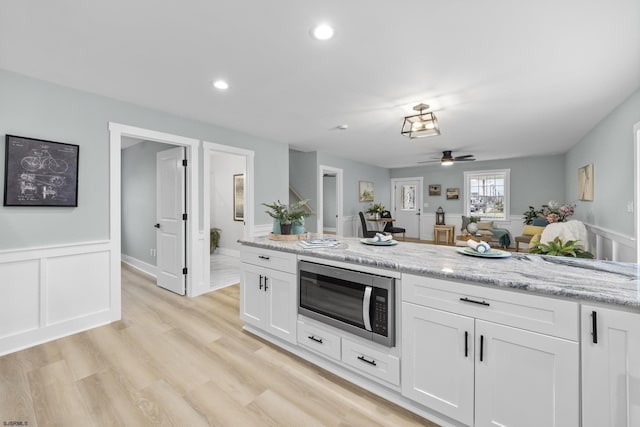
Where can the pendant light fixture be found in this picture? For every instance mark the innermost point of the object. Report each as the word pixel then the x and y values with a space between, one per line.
pixel 420 125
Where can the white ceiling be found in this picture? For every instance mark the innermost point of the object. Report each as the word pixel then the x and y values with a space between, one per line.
pixel 507 78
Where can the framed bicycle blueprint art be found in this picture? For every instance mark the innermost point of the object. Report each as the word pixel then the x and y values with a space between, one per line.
pixel 40 173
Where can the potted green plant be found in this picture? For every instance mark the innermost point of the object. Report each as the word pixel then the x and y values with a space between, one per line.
pixel 286 215
pixel 558 248
pixel 375 210
pixel 214 234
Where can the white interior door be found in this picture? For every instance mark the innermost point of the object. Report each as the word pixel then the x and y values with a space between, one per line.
pixel 407 202
pixel 170 205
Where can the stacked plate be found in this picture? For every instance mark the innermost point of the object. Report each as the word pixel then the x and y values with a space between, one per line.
pixel 376 242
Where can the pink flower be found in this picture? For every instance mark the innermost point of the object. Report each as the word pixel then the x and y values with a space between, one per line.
pixel 552 217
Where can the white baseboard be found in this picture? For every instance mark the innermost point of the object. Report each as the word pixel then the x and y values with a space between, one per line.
pixel 146 268
pixel 229 252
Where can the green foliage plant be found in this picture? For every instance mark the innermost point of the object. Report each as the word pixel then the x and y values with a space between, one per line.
pixel 214 239
pixel 558 248
pixel 288 214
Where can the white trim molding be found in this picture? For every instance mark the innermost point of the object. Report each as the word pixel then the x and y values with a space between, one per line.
pixel 51 292
pixel 636 187
pixel 322 169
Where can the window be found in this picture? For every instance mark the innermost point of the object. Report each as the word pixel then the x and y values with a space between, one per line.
pixel 487 194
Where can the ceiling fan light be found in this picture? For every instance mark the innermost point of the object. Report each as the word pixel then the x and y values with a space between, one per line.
pixel 420 125
pixel 446 162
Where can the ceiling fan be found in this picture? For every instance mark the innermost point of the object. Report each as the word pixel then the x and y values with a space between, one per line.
pixel 447 159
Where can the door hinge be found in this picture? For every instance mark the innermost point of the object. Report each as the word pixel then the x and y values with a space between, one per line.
pixel 184 162
pixel 184 217
pixel 185 270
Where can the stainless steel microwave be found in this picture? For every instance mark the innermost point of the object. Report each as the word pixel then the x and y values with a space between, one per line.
pixel 360 303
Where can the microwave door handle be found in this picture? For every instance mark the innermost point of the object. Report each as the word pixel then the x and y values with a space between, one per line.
pixel 366 303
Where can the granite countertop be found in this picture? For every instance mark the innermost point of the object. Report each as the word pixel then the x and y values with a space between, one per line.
pixel 585 280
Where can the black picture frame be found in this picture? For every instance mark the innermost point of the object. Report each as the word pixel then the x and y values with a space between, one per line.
pixel 38 172
pixel 434 189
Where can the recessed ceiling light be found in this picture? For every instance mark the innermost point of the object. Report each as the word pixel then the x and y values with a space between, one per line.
pixel 221 84
pixel 322 32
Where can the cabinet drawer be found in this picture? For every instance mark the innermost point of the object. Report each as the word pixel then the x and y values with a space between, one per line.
pixel 549 316
pixel 319 340
pixel 275 260
pixel 372 362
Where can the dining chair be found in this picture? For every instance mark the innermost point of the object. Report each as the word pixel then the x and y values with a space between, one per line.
pixel 365 230
pixel 389 228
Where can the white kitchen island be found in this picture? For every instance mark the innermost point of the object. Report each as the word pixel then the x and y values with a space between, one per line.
pixel 520 341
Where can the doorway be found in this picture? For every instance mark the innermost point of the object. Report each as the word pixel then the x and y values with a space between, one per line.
pixel 330 208
pixel 118 133
pixel 407 204
pixel 227 209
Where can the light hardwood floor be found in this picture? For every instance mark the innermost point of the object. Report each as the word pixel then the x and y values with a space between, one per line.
pixel 176 361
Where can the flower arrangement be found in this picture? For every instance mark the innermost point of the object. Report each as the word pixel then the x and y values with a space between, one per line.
pixel 552 212
pixel 375 209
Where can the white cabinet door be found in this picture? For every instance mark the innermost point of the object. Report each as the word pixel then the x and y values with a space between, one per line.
pixel 437 359
pixel 525 379
pixel 252 305
pixel 268 300
pixel 610 368
pixel 282 304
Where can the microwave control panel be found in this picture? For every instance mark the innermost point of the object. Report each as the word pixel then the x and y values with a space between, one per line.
pixel 380 313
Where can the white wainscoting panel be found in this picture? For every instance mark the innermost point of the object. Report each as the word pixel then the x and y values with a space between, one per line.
pixel 20 290
pixel 48 293
pixel 77 286
pixel 262 230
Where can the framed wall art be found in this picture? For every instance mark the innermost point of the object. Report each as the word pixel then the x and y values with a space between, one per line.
pixel 365 191
pixel 453 193
pixel 585 183
pixel 435 190
pixel 40 173
pixel 238 197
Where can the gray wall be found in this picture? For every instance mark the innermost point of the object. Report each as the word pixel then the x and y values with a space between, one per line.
pixel 352 173
pixel 534 181
pixel 37 109
pixel 609 146
pixel 329 202
pixel 139 199
pixel 223 167
pixel 303 177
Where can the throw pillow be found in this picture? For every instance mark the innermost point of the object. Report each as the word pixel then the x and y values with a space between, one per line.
pixel 539 222
pixel 486 225
pixel 531 230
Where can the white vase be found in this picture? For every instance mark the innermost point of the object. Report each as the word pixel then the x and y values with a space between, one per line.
pixel 376 215
pixel 472 227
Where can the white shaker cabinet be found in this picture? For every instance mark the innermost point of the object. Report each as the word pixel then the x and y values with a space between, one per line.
pixel 610 367
pixel 466 354
pixel 268 295
pixel 524 378
pixel 438 361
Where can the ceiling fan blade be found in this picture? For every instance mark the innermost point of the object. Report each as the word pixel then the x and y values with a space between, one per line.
pixel 463 157
pixel 458 159
pixel 431 161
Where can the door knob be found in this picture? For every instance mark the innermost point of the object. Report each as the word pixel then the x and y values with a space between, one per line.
pixel 157 226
